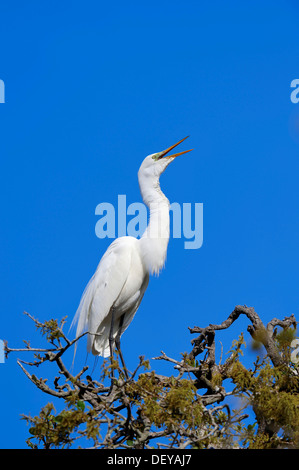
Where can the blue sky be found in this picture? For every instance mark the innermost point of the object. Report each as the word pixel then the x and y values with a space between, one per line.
pixel 91 89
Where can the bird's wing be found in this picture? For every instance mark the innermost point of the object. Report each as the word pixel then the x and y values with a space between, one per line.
pixel 106 285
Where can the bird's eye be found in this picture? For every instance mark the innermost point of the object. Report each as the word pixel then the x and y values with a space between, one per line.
pixel 155 156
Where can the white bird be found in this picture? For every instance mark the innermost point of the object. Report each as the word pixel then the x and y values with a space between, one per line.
pixel 115 291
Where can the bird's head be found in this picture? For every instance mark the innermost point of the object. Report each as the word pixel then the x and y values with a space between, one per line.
pixel 154 165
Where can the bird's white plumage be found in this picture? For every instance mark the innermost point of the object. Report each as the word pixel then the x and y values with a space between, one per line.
pixel 122 276
pixel 119 282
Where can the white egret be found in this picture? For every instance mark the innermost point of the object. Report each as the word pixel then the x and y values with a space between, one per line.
pixel 115 291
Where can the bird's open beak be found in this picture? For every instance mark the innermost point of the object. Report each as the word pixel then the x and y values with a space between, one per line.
pixel 164 153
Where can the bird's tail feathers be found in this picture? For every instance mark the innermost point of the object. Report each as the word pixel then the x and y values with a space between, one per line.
pixel 82 313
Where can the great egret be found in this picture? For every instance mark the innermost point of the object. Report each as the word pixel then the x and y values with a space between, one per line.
pixel 115 291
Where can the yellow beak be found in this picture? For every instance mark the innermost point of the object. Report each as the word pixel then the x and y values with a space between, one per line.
pixel 164 152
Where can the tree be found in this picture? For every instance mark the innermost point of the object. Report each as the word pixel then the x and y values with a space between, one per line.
pixel 190 408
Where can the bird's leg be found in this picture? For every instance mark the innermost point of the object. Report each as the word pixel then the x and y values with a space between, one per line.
pixel 117 344
pixel 111 341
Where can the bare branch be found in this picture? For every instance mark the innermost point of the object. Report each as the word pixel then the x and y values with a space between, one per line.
pixel 183 410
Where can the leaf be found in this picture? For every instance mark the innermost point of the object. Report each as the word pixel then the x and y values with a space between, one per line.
pixel 81 405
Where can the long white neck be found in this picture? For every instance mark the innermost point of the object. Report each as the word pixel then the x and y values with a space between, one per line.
pixel 154 241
